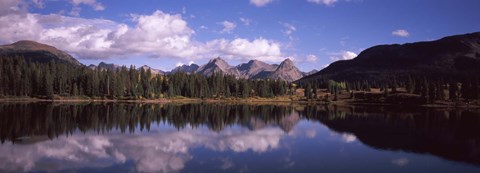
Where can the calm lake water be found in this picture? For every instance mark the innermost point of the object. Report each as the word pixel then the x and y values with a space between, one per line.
pixel 43 137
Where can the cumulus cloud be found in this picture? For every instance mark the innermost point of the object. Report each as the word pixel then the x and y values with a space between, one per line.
pixel 260 3
pixel 156 35
pixel 343 55
pixel 324 2
pixel 401 33
pixel 262 49
pixel 311 58
pixel 245 21
pixel 97 6
pixel 227 26
pixel 178 64
pixel 12 6
pixel 39 3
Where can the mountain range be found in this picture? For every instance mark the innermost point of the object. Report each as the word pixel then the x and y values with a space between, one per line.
pixel 254 69
pixel 450 58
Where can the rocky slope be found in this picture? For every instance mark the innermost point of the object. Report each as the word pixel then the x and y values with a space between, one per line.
pixel 217 65
pixel 186 69
pixel 286 71
pixel 255 68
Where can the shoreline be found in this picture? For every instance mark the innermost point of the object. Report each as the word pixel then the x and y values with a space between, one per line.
pixel 233 100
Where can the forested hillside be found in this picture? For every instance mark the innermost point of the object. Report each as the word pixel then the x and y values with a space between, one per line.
pixel 22 77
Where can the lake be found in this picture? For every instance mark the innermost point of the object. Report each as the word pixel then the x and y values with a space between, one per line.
pixel 219 137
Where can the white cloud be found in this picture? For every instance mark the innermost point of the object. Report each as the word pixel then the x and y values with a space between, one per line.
pixel 39 3
pixel 97 6
pixel 401 33
pixel 324 2
pixel 75 11
pixel 178 64
pixel 12 6
pixel 311 58
pixel 260 3
pixel 289 28
pixel 245 21
pixel 156 35
pixel 203 27
pixel 240 48
pixel 343 55
pixel 227 26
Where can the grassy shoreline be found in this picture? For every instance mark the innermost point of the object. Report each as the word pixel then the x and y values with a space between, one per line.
pixel 343 102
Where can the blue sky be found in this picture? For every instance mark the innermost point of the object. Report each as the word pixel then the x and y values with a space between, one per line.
pixel 165 33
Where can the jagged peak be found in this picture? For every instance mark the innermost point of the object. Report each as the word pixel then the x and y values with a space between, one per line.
pixel 103 63
pixel 217 59
pixel 287 63
pixel 220 62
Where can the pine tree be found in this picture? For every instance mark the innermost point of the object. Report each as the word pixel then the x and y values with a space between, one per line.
pixel 308 91
pixel 48 85
pixel 466 91
pixel 432 92
pixel 453 92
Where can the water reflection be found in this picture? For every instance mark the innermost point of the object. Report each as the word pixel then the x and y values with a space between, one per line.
pixel 452 134
pixel 170 138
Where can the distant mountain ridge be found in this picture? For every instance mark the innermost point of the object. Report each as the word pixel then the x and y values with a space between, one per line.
pixel 254 69
pixel 36 52
pixel 217 65
pixel 191 68
pixel 113 67
pixel 451 57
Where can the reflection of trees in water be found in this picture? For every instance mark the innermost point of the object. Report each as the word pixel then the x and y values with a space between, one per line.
pixel 451 134
pixel 19 120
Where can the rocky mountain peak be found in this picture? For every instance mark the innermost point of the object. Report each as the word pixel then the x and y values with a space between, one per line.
pixel 287 71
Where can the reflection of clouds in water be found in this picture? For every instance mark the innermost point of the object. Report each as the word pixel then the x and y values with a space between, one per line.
pixel 348 138
pixel 311 133
pixel 400 161
pixel 164 151
pixel 226 163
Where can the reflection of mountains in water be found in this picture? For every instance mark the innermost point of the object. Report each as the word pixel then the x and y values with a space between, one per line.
pixel 450 134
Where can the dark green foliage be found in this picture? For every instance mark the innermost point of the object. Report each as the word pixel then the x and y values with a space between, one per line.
pixel 308 91
pixel 21 78
pixel 453 92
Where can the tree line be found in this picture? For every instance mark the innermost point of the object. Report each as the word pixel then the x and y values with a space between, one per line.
pixel 19 77
pixel 430 90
